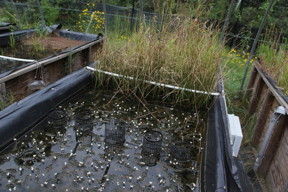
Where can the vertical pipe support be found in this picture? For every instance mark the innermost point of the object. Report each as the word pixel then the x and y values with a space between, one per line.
pixel 274 121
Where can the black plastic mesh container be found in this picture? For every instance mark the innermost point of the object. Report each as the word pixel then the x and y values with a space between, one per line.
pixel 57 118
pixel 152 142
pixel 150 159
pixel 181 151
pixel 114 132
pixel 84 118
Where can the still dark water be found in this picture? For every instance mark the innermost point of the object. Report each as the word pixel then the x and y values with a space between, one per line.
pixel 68 151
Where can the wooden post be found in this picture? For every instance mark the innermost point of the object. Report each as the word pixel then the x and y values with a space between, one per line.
pixel 2 91
pixel 256 95
pixel 262 119
pixel 253 76
pixel 272 146
pixel 89 56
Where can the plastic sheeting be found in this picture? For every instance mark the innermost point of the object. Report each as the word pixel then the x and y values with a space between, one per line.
pixel 19 117
pixel 5 37
pixel 222 172
pixel 5 27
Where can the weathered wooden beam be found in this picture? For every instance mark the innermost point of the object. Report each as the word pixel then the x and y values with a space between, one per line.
pixel 272 145
pixel 263 116
pixel 256 95
pixel 278 97
pixel 251 82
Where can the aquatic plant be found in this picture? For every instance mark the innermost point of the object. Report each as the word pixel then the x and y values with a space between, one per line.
pixel 183 52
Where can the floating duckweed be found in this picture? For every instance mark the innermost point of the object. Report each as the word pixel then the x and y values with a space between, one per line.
pixel 70 158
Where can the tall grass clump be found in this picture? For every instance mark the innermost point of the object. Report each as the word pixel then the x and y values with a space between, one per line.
pixel 274 61
pixel 183 52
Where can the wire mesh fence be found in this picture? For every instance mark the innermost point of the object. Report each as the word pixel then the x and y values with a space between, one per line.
pixel 88 17
pixel 78 16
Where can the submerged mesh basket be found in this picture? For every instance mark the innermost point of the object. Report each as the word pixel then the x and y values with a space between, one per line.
pixel 150 159
pixel 84 118
pixel 181 151
pixel 57 118
pixel 152 142
pixel 114 132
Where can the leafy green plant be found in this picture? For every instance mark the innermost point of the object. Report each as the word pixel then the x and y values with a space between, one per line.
pixel 7 14
pixel 12 41
pixel 37 45
pixel 183 53
pixel 51 12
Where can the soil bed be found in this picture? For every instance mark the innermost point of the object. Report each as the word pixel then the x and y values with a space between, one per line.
pixel 69 150
pixel 35 48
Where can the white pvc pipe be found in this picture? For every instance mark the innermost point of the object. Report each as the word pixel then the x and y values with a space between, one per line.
pixel 17 59
pixel 154 83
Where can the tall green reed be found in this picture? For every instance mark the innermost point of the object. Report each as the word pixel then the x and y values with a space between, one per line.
pixel 183 52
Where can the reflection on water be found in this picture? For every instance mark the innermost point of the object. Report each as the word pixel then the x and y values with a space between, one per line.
pixel 102 142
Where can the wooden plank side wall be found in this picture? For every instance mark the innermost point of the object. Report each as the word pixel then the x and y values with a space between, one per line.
pixel 263 116
pixel 263 102
pixel 277 175
pixel 51 72
pixel 270 113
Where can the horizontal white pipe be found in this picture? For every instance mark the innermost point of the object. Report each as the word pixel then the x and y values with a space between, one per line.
pixel 17 59
pixel 154 83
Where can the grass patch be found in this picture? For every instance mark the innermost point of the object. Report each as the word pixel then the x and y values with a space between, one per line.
pixel 6 100
pixel 236 101
pixel 182 53
pixel 274 61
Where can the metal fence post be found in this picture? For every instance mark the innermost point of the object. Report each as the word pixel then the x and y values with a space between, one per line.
pixel 41 14
pixel 227 19
pixel 17 15
pixel 132 16
pixel 105 16
pixel 255 42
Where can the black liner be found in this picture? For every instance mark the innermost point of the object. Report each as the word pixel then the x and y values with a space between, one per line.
pixel 21 34
pixel 79 36
pixel 20 116
pixel 222 172
pixel 6 27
